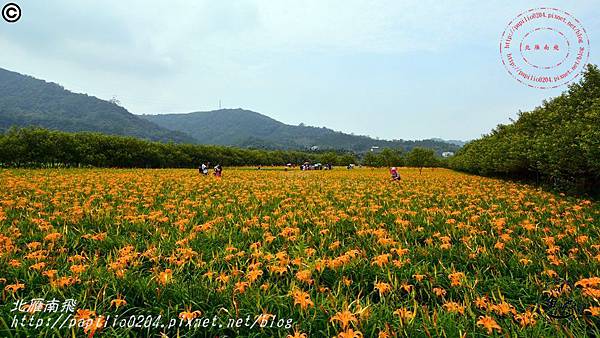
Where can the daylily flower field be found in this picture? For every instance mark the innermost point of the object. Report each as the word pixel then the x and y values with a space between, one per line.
pixel 341 253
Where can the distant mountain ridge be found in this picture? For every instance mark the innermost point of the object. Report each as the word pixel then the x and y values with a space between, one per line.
pixel 455 142
pixel 245 128
pixel 27 101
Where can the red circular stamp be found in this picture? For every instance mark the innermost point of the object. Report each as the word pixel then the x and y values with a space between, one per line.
pixel 544 48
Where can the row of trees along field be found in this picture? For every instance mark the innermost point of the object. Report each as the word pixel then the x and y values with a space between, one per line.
pixel 556 143
pixel 37 147
pixel 416 157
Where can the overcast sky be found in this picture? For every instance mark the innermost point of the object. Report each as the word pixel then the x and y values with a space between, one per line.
pixel 388 69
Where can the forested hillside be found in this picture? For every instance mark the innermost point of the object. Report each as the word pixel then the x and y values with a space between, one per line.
pixel 558 142
pixel 245 128
pixel 26 101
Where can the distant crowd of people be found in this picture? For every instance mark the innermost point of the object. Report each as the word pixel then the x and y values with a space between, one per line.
pixel 316 166
pixel 218 170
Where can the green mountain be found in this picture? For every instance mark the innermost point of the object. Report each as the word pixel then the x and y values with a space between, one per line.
pixel 245 128
pixel 26 101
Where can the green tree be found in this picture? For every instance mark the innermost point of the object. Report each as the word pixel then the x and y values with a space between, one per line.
pixel 558 142
pixel 372 160
pixel 420 158
pixel 391 157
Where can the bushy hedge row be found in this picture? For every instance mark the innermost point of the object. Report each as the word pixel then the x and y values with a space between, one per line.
pixel 41 147
pixel 417 157
pixel 558 142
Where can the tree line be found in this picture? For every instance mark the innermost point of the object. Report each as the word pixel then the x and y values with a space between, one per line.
pixel 39 147
pixel 35 147
pixel 417 157
pixel 557 143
